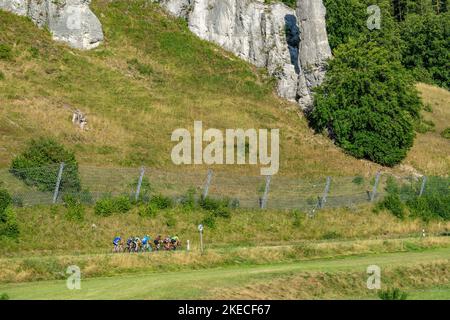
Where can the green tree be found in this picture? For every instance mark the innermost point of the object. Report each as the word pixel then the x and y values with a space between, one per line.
pixel 427 47
pixel 347 19
pixel 8 223
pixel 39 164
pixel 367 103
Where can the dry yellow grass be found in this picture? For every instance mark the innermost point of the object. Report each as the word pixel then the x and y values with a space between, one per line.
pixel 431 152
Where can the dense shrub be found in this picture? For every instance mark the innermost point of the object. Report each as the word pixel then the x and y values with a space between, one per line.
pixel 426 48
pixel 148 211
pixel 446 133
pixel 39 165
pixel 209 220
pixel 111 205
pixel 188 201
pixel 392 186
pixel 5 201
pixel 419 30
pixel 4 296
pixel 422 125
pixel 104 207
pixel 8 223
pixel 121 204
pixel 219 207
pixel 431 206
pixel 393 203
pixel 347 20
pixel 161 202
pixel 392 294
pixel 298 218
pixel 74 206
pixel 434 203
pixel 5 52
pixel 367 103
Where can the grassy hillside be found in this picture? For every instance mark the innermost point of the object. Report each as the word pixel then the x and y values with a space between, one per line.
pixel 152 76
pixel 431 152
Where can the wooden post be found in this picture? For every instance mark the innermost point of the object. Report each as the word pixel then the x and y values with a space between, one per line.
pixel 58 182
pixel 263 203
pixel 207 184
pixel 422 187
pixel 375 187
pixel 138 189
pixel 323 200
pixel 200 229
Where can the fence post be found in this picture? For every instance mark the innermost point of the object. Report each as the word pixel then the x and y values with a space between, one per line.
pixel 263 203
pixel 207 184
pixel 138 189
pixel 422 187
pixel 323 200
pixel 375 187
pixel 58 183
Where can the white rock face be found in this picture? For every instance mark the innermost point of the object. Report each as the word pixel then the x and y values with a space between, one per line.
pixel 70 21
pixel 266 35
pixel 314 48
pixel 291 44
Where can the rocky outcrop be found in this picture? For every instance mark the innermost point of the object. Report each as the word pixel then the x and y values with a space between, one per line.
pixel 267 35
pixel 314 49
pixel 69 21
pixel 291 44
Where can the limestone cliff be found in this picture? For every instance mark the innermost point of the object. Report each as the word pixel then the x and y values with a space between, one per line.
pixel 69 21
pixel 291 44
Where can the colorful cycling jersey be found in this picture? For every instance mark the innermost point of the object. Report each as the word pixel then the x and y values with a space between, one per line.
pixel 145 240
pixel 116 240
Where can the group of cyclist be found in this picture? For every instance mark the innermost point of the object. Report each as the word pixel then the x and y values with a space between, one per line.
pixel 146 244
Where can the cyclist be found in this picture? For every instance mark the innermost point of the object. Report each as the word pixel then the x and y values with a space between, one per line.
pixel 130 244
pixel 175 242
pixel 157 242
pixel 117 242
pixel 137 244
pixel 167 243
pixel 146 243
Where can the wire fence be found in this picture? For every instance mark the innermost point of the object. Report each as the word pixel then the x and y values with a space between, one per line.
pixel 49 185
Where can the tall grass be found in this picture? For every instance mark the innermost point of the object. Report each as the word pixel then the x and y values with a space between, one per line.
pixel 48 230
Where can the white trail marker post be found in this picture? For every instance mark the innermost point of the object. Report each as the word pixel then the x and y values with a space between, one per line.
pixel 200 229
